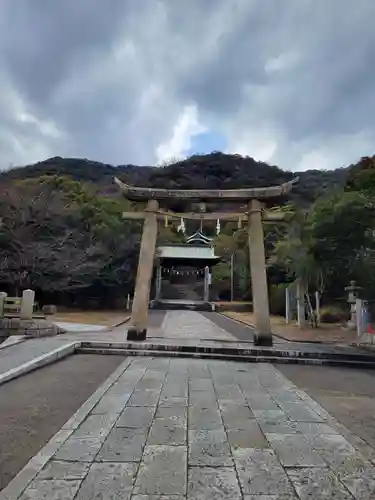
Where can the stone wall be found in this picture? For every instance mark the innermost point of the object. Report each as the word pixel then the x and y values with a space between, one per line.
pixel 30 328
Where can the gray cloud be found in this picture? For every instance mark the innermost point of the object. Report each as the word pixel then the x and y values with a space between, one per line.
pixel 130 81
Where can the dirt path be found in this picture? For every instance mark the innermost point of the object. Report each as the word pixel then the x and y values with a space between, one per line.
pixel 325 333
pixel 34 407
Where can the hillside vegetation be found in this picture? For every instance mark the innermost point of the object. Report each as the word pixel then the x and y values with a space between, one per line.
pixel 63 233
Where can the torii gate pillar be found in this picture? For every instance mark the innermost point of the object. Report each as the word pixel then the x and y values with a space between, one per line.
pixel 263 335
pixel 138 329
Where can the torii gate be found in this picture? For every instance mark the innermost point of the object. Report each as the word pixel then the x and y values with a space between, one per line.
pixel 255 215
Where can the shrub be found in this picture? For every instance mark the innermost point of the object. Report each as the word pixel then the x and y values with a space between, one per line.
pixel 333 314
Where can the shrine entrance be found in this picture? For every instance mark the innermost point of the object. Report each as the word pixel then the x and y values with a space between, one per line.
pixel 254 214
pixel 183 274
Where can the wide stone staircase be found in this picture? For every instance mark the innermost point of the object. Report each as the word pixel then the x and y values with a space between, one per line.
pixel 182 291
pixel 182 296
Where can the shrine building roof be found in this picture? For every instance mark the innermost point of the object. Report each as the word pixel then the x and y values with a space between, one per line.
pixel 187 252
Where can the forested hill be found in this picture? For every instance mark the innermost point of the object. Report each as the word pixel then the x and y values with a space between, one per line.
pixel 215 170
pixel 63 235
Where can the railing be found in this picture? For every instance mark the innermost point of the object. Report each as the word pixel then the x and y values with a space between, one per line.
pixel 22 307
pixel 12 305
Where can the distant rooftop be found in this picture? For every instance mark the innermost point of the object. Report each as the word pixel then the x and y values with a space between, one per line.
pixel 195 255
pixel 198 238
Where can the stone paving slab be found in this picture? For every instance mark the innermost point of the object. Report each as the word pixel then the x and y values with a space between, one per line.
pixel 169 429
pixel 79 450
pixel 162 471
pixel 208 483
pixel 56 489
pixel 318 483
pixel 108 481
pixel 293 450
pixel 123 444
pixel 260 472
pixel 248 436
pixel 209 447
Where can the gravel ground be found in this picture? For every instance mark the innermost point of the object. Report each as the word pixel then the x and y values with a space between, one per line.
pixel 34 407
pixel 346 393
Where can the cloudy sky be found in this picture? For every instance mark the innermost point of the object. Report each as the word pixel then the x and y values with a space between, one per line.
pixel 291 82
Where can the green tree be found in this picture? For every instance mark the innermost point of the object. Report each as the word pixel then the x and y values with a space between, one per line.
pixel 342 238
pixel 60 238
pixel 362 176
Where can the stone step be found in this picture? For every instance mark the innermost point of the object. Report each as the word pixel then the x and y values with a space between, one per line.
pixel 303 352
pixel 270 358
pixel 181 305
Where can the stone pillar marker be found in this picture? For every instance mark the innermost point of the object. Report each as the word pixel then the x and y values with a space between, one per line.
pixel 3 296
pixel 261 310
pixel 27 304
pixel 139 315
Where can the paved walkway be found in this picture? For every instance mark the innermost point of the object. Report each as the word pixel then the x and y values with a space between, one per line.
pixel 178 328
pixel 173 429
pixel 191 325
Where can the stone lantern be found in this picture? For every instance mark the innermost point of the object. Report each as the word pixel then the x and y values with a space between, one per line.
pixel 352 290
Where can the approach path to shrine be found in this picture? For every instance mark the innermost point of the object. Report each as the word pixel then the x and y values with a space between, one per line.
pixel 183 428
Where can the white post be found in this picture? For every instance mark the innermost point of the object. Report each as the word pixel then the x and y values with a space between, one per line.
pixel 27 304
pixel 3 296
pixel 128 302
pixel 317 307
pixel 359 317
pixel 287 306
pixel 232 277
pixel 300 305
pixel 206 284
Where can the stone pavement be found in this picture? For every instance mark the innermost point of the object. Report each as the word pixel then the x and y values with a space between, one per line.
pixel 183 428
pixel 184 326
pixel 191 325
pixel 178 330
pixel 178 326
